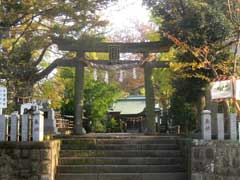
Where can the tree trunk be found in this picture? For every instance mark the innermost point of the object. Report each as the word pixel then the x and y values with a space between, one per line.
pixel 201 104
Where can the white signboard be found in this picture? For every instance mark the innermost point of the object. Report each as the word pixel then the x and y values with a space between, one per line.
pixel 222 89
pixel 3 97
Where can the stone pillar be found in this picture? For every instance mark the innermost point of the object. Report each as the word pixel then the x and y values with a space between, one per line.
pixel 38 126
pixel 3 128
pixel 50 123
pixel 14 131
pixel 220 126
pixel 206 125
pixel 78 98
pixel 150 100
pixel 25 127
pixel 233 126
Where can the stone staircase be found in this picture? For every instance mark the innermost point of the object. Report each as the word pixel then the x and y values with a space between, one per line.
pixel 121 157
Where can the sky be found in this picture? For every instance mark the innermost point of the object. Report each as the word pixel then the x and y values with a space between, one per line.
pixel 123 16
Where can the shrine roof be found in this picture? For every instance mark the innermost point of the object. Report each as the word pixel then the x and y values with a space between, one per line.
pixel 129 105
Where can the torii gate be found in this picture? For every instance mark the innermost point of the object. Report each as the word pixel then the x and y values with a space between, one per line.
pixel 83 46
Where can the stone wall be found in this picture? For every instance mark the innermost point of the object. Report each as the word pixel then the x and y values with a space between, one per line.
pixel 215 160
pixel 185 147
pixel 29 160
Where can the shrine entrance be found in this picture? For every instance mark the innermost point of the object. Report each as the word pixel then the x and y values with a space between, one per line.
pixel 114 50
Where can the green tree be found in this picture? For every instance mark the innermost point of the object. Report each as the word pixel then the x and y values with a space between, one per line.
pixel 98 97
pixel 26 32
pixel 199 24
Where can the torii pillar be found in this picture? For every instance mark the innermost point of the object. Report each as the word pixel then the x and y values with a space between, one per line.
pixel 78 96
pixel 149 124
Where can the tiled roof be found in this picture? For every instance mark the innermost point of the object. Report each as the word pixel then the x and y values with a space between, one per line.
pixel 130 105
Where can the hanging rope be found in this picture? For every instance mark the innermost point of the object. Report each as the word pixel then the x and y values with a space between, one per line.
pixel 111 67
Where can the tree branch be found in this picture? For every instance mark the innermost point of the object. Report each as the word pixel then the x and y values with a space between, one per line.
pixel 62 62
pixel 40 58
pixel 21 35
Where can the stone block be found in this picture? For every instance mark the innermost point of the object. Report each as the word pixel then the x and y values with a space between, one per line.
pixel 25 153
pixel 197 166
pixel 25 174
pixel 24 163
pixel 209 154
pixel 235 162
pixel 208 177
pixel 35 167
pixel 33 178
pixel 196 153
pixel 17 153
pixel 35 154
pixel 45 177
pixel 45 154
pixel 219 178
pixel 45 167
pixel 197 176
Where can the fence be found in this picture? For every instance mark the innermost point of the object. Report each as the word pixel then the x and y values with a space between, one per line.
pixel 26 127
pixel 206 123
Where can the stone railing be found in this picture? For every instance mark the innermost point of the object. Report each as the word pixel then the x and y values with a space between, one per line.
pixel 29 160
pixel 218 160
pixel 26 127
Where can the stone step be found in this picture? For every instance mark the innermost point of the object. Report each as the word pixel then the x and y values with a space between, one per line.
pixel 119 147
pixel 92 141
pixel 119 168
pixel 120 153
pixel 121 161
pixel 117 136
pixel 123 176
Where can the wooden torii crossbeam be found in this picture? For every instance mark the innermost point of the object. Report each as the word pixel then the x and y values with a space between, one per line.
pixel 114 49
